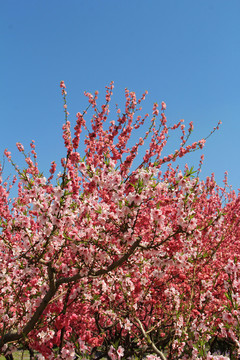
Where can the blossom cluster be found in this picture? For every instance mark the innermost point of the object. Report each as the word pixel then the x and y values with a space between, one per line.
pixel 116 260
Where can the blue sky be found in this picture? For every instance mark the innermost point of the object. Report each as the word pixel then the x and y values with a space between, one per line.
pixel 185 52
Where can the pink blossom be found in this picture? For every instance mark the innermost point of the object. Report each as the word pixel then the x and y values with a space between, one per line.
pixel 20 147
pixel 120 352
pixel 8 154
pixel 112 353
pixel 164 106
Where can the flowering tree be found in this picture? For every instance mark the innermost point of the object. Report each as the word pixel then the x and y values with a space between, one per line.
pixel 115 261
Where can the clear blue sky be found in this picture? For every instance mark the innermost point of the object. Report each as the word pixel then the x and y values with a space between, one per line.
pixel 185 52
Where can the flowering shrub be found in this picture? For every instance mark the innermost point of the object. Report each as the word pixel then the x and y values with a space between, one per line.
pixel 115 261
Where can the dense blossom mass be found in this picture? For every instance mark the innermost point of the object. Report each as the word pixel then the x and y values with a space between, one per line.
pixel 114 257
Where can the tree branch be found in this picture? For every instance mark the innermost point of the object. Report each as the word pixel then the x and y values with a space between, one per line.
pixel 53 287
pixel 149 341
pixel 120 261
pixel 14 336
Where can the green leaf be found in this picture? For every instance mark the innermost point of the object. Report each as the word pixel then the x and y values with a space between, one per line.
pixel 99 211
